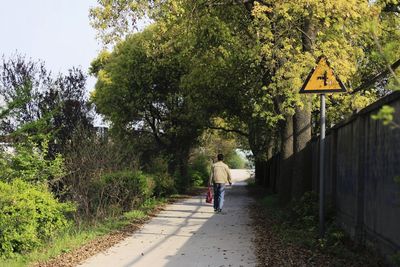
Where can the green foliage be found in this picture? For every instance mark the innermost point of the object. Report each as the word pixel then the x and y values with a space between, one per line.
pixel 78 235
pixel 30 163
pixel 105 16
pixel 270 201
pixel 87 157
pixel 99 63
pixel 196 178
pixel 235 161
pixel 29 216
pixel 213 142
pixel 139 91
pixel 304 216
pixel 40 107
pixel 199 169
pixel 90 160
pixel 385 114
pixel 164 184
pixel 299 222
pixel 242 62
pixel 121 191
pixel 252 59
pixel 305 210
pixel 395 258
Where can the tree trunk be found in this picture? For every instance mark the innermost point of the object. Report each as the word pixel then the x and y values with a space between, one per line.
pixel 256 139
pixel 178 168
pixel 302 124
pixel 268 177
pixel 271 148
pixel 309 32
pixel 302 135
pixel 285 174
pixel 183 173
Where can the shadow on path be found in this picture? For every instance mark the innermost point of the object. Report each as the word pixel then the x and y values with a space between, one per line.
pixel 188 233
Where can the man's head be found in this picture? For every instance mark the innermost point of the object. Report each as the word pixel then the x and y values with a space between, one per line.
pixel 220 157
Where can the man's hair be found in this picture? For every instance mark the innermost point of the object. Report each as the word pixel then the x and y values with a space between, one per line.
pixel 220 157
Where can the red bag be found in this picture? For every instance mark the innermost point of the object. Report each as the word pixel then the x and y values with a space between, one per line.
pixel 209 197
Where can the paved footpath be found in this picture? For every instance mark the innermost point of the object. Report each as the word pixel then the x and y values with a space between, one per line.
pixel 189 233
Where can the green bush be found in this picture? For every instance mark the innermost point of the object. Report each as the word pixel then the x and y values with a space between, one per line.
pixel 395 258
pixel 197 178
pixel 303 218
pixel 121 191
pixel 305 211
pixel 30 163
pixel 234 161
pixel 199 170
pixel 164 184
pixel 29 215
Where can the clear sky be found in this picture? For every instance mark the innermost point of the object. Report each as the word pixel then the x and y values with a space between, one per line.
pixel 55 31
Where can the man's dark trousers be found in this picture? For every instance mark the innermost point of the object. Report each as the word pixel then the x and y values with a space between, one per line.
pixel 219 194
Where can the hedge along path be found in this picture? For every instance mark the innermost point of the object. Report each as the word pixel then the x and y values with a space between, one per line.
pixel 189 233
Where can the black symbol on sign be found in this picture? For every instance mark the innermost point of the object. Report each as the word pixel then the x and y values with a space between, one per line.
pixel 324 77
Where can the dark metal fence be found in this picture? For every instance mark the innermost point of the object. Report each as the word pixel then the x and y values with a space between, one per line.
pixel 362 161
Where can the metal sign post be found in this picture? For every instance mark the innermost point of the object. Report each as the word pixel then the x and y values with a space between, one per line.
pixel 322 169
pixel 321 80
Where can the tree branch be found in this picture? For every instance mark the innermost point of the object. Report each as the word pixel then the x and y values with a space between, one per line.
pixel 370 82
pixel 392 8
pixel 154 130
pixel 306 35
pixel 229 130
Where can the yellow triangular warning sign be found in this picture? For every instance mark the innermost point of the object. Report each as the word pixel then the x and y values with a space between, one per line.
pixel 322 79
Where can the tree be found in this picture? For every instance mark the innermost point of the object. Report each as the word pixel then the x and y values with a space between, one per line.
pixel 253 56
pixel 293 35
pixel 21 82
pixel 139 90
pixel 114 20
pixel 226 68
pixel 38 104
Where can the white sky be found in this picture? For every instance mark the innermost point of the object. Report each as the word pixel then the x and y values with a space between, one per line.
pixel 55 31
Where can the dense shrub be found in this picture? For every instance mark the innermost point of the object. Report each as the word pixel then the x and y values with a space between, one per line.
pixel 164 184
pixel 120 191
pixel 199 170
pixel 87 159
pixel 303 217
pixel 196 178
pixel 30 163
pixel 29 215
pixel 305 211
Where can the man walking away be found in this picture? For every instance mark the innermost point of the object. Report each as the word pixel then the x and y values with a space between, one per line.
pixel 220 175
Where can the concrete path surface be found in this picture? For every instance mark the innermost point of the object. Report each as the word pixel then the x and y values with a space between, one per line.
pixel 189 233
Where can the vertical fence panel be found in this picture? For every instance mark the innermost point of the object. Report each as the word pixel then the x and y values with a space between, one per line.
pixel 382 194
